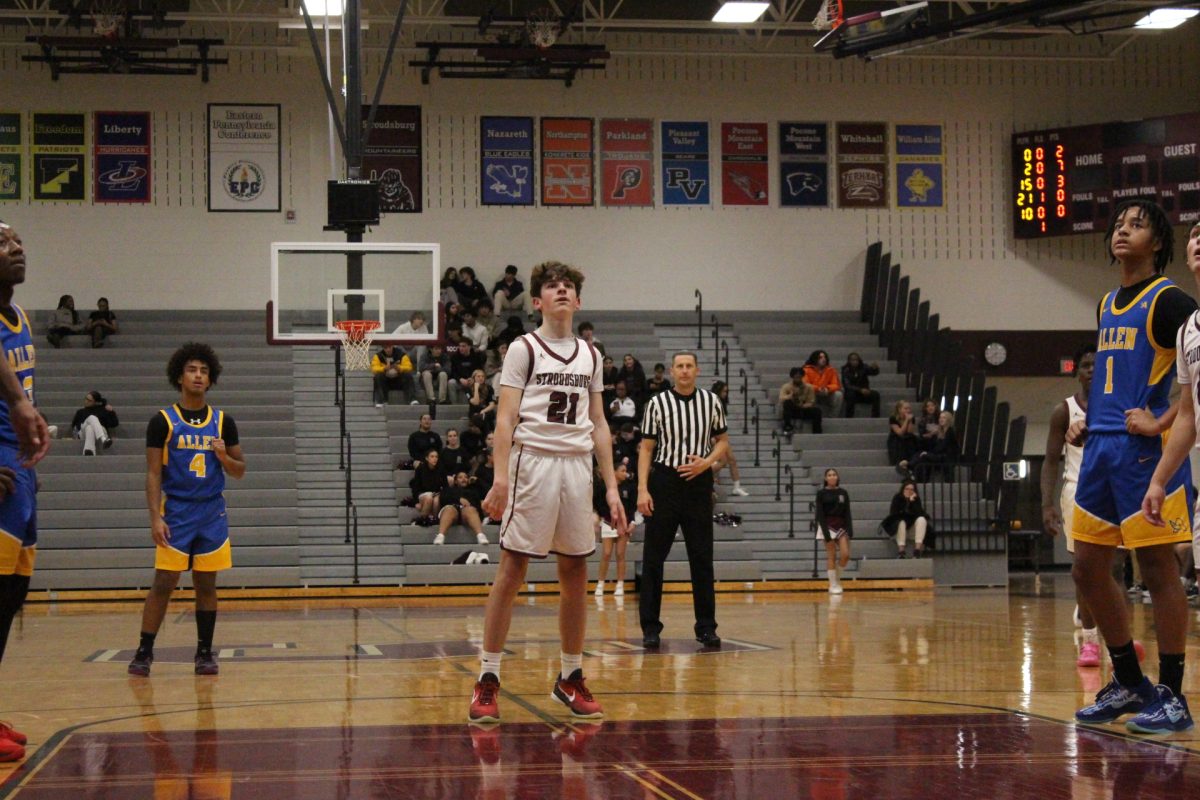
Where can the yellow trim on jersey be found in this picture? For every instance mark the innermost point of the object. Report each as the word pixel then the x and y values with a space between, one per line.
pixel 15 559
pixel 1087 527
pixel 220 424
pixel 217 560
pixel 167 444
pixel 184 419
pixel 1164 361
pixel 170 559
pixel 25 561
pixel 21 321
pixel 1135 530
pixel 1119 311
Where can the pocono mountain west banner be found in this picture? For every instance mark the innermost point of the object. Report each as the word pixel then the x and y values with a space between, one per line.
pixel 59 144
pixel 568 156
pixel 744 164
pixel 804 164
pixel 12 152
pixel 920 172
pixel 685 164
pixel 862 164
pixel 506 161
pixel 626 162
pixel 244 159
pixel 392 157
pixel 121 157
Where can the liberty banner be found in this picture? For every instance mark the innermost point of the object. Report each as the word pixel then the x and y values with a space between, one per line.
pixel 244 161
pixel 744 164
pixel 626 162
pixel 11 153
pixel 862 164
pixel 685 164
pixel 568 155
pixel 121 157
pixel 59 157
pixel 920 172
pixel 506 161
pixel 392 157
pixel 804 164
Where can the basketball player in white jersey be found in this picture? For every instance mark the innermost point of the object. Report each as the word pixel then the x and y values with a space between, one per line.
pixel 549 423
pixel 1067 413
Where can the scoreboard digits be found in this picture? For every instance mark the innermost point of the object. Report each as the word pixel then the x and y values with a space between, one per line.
pixel 1041 196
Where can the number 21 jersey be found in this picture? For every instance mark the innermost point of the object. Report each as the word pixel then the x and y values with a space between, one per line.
pixel 557 377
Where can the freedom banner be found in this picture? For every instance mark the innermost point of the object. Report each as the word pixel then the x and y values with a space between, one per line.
pixel 685 164
pixel 392 157
pixel 804 164
pixel 626 162
pixel 862 164
pixel 244 162
pixel 11 152
pixel 121 157
pixel 920 166
pixel 59 157
pixel 744 164
pixel 568 155
pixel 506 161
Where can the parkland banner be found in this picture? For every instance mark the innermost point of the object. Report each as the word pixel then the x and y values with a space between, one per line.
pixel 12 151
pixel 506 161
pixel 392 157
pixel 862 168
pixel 920 166
pixel 244 161
pixel 804 164
pixel 121 157
pixel 59 150
pixel 685 164
pixel 744 164
pixel 626 162
pixel 568 156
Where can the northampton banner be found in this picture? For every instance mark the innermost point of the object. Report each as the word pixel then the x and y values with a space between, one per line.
pixel 626 162
pixel 244 157
pixel 862 164
pixel 12 151
pixel 121 157
pixel 506 161
pixel 920 171
pixel 568 155
pixel 392 156
pixel 59 149
pixel 804 164
pixel 744 164
pixel 685 165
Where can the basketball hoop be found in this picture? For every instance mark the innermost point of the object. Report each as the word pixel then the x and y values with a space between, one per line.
pixel 357 336
pixel 829 15
pixel 542 29
pixel 107 16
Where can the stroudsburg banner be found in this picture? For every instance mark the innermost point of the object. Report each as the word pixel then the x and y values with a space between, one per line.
pixel 392 157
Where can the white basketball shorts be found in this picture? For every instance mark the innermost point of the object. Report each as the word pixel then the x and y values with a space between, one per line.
pixel 549 504
pixel 1066 505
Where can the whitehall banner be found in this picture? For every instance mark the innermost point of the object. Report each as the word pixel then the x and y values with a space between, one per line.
pixel 626 162
pixel 744 164
pixel 506 161
pixel 862 164
pixel 804 164
pixel 392 157
pixel 685 165
pixel 244 161
pixel 12 152
pixel 59 145
pixel 121 157
pixel 568 155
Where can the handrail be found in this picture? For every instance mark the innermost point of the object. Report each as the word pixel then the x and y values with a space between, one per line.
pixel 345 448
pixel 812 528
pixel 725 359
pixel 716 337
pixel 699 320
pixel 754 421
pixel 791 490
pixel 777 452
pixel 745 376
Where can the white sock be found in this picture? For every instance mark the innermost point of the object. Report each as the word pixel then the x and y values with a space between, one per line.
pixel 1090 635
pixel 490 662
pixel 570 663
pixel 737 484
pixel 832 575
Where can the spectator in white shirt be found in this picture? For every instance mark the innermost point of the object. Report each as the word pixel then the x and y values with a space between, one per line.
pixel 415 324
pixel 473 332
pixel 622 408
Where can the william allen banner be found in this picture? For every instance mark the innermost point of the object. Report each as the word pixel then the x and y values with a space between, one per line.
pixel 506 161
pixel 920 175
pixel 244 162
pixel 685 164
pixel 804 164
pixel 626 162
pixel 744 163
pixel 862 164
pixel 121 160
pixel 393 158
pixel 59 157
pixel 12 151
pixel 568 153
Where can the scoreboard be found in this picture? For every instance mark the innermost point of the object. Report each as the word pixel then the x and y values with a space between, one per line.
pixel 1069 180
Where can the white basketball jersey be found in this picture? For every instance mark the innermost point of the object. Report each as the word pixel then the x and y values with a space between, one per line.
pixel 1074 452
pixel 557 378
pixel 1187 353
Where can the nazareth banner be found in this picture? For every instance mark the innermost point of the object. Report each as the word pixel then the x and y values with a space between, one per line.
pixel 568 154
pixel 506 161
pixel 59 150
pixel 804 164
pixel 392 156
pixel 744 163
pixel 11 153
pixel 626 162
pixel 920 166
pixel 862 164
pixel 121 157
pixel 685 164
pixel 244 161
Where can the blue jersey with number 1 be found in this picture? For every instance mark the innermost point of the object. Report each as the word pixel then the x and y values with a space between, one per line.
pixel 191 470
pixel 17 342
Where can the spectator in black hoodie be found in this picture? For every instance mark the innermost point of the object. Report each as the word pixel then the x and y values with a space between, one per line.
pixel 94 423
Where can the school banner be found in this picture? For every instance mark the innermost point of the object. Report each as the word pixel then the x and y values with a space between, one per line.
pixel 121 157
pixel 506 161
pixel 59 150
pixel 804 164
pixel 685 164
pixel 627 162
pixel 392 157
pixel 11 152
pixel 568 155
pixel 244 157
pixel 920 166
pixel 744 164
pixel 862 168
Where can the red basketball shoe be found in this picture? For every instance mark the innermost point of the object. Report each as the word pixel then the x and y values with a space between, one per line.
pixel 10 750
pixel 8 732
pixel 485 705
pixel 573 693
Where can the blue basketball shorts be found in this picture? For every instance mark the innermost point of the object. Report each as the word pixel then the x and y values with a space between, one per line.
pixel 18 519
pixel 199 536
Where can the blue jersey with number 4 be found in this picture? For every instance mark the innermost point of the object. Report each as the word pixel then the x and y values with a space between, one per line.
pixel 191 470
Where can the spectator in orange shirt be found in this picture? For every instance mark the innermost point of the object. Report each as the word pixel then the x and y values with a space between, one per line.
pixel 824 380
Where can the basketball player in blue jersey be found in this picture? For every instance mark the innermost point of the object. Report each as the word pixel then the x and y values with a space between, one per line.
pixel 190 448
pixel 1128 412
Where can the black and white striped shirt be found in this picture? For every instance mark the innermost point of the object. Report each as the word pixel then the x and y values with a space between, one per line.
pixel 682 425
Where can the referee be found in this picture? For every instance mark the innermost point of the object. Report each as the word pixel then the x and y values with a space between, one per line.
pixel 684 435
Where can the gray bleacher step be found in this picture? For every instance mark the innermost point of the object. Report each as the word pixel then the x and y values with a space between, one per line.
pixel 61 464
pixel 387 574
pixel 139 538
pixel 134 417
pixel 366 550
pixel 134 366
pixel 104 481
pixel 99 578
pixel 65 501
pixel 140 385
pixel 262 556
pixel 127 446
pixel 135 517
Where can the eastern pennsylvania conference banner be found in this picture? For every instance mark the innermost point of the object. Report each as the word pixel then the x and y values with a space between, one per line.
pixel 744 163
pixel 121 160
pixel 392 157
pixel 506 161
pixel 59 157
pixel 685 164
pixel 568 156
pixel 626 162
pixel 244 166
pixel 11 153
pixel 862 164
pixel 804 164
pixel 920 172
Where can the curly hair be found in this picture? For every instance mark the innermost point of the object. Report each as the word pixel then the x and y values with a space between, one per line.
pixel 193 351
pixel 1160 229
pixel 554 271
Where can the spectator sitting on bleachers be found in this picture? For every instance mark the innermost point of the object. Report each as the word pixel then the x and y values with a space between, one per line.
pixel 453 457
pixel 473 439
pixel 509 293
pixel 435 367
pixel 721 390
pixel 856 382
pixel 622 409
pixel 481 400
pixel 902 439
pixel 462 369
pixel 485 315
pixel 513 329
pixel 423 439
pixel 939 452
pixel 798 401
pixel 65 322
pixel 427 482
pixel 609 538
pixel 483 473
pixel 927 424
pixel 634 375
pixel 392 369
pixel 94 423
pixel 824 380
pixel 448 293
pixel 587 332
pixel 470 290
pixel 659 383
pixel 415 324
pixel 458 502
pixel 907 514
pixel 494 368
pixel 473 332
pixel 101 323
pixel 454 320
pixel 609 381
pixel 625 447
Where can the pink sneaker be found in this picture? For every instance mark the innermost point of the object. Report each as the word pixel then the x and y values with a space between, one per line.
pixel 1089 655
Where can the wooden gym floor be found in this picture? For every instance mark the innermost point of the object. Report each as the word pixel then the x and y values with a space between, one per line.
pixel 957 694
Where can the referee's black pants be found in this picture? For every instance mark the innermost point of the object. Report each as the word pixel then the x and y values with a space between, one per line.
pixel 679 503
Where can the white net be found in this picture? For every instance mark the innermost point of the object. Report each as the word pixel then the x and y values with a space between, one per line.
pixel 107 16
pixel 542 28
pixel 356 345
pixel 829 15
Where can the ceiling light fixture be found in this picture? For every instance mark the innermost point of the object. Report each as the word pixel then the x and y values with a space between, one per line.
pixel 1165 18
pixel 739 12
